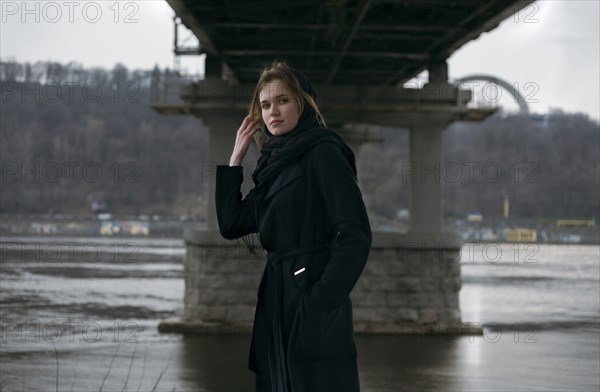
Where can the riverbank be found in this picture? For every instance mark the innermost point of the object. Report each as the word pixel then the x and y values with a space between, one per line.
pixel 175 231
pixel 164 226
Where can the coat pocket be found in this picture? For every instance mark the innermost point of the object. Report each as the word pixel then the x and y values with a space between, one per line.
pixel 299 272
pixel 321 333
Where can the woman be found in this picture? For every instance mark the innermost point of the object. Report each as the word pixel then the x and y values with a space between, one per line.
pixel 308 211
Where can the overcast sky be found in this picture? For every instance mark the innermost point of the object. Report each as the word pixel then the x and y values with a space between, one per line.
pixel 550 50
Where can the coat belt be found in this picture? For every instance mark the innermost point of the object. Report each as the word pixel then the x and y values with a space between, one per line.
pixel 274 257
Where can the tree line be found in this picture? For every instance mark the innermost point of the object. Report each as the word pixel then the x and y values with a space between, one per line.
pixel 71 135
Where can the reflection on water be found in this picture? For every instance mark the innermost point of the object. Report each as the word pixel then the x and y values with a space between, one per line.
pixel 552 285
pixel 217 363
pixel 540 318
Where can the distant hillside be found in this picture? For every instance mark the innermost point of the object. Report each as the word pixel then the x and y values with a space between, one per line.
pixel 71 135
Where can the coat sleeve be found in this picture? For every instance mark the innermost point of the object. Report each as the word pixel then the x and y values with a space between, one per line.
pixel 235 216
pixel 348 214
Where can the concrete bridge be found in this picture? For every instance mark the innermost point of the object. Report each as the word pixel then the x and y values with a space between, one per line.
pixel 359 55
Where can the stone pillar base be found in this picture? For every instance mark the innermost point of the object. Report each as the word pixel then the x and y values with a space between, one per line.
pixel 414 328
pixel 186 327
pixel 410 284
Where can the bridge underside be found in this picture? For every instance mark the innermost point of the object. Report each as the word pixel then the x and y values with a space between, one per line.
pixel 375 43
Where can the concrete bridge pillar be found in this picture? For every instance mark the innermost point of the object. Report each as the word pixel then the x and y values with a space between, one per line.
pixel 222 132
pixel 356 135
pixel 424 170
pixel 412 280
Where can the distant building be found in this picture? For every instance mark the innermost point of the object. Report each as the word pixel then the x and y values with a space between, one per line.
pixel 108 227
pixel 575 223
pixel 474 216
pixel 111 227
pixel 99 207
pixel 520 235
pixel 43 228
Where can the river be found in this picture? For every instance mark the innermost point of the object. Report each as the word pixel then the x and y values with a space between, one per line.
pixel 81 314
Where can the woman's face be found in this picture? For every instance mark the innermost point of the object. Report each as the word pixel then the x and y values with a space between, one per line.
pixel 280 110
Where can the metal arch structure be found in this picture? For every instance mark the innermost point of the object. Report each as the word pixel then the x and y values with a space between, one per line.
pixel 502 83
pixel 343 42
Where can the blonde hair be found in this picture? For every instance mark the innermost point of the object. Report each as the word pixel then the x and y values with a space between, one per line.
pixel 280 70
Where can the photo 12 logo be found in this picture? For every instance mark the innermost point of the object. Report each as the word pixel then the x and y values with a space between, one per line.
pixel 71 11
pixel 90 332
pixel 67 172
pixel 68 251
pixel 68 92
pixel 469 172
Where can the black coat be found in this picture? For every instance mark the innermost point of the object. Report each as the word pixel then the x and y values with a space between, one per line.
pixel 304 311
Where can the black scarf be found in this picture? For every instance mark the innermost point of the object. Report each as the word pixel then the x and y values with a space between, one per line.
pixel 280 150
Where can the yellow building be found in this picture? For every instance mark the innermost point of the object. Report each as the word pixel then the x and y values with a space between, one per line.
pixel 521 235
pixel 575 223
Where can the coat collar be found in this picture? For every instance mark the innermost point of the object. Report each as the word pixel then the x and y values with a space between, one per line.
pixel 290 173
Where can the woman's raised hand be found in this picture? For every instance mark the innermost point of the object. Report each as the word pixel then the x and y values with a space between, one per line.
pixel 242 140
